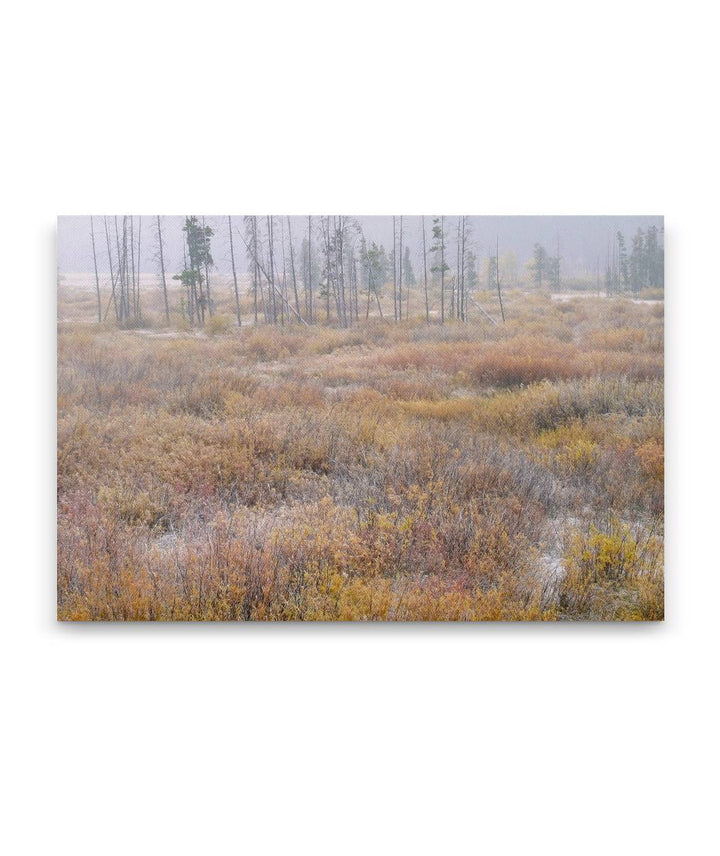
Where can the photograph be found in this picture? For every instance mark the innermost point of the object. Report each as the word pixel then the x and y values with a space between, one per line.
pixel 359 428
pixel 372 418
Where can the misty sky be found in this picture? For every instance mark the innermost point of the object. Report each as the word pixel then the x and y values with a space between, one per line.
pixel 583 239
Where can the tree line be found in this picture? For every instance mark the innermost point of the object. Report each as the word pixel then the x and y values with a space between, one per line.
pixel 642 266
pixel 330 272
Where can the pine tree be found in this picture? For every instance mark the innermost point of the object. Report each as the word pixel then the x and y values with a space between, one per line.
pixel 623 262
pixel 438 250
pixel 408 271
pixel 638 263
pixel 197 260
pixel 539 264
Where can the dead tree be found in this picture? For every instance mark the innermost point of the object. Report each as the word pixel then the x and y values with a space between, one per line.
pixel 442 269
pixel 97 278
pixel 120 272
pixel 462 289
pixel 251 245
pixel 161 256
pixel 256 274
pixel 283 288
pixel 234 272
pixel 133 295
pixel 325 228
pixel 138 312
pixel 309 289
pixel 252 250
pixel 394 256
pixel 427 302
pixel 497 277
pixel 292 268
pixel 113 296
pixel 400 270
pixel 208 261
pixel 271 280
pixel 339 247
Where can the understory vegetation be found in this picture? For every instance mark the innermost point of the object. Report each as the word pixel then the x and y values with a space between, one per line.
pixel 405 471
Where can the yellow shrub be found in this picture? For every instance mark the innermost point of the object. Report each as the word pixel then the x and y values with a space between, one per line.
pixel 217 325
pixel 572 444
pixel 611 575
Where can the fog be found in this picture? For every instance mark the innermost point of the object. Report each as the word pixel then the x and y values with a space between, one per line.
pixel 583 241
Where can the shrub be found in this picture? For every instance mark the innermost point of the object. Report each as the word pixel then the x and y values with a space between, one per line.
pixel 217 325
pixel 612 574
pixel 652 460
pixel 573 446
pixel 408 472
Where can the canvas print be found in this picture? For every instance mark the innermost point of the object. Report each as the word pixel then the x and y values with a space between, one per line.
pixel 360 418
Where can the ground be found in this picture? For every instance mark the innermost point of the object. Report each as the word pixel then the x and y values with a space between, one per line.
pixel 402 472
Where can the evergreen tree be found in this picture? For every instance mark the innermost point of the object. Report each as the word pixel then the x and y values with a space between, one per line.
pixel 375 265
pixel 638 262
pixel 491 268
pixel 553 272
pixel 623 262
pixel 440 267
pixel 539 264
pixel 408 271
pixel 197 260
pixel 472 280
pixel 654 258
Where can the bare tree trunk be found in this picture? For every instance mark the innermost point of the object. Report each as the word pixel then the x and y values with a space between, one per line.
pixel 139 302
pixel 497 277
pixel 407 302
pixel 427 302
pixel 132 267
pixel 192 285
pixel 335 279
pixel 462 271
pixel 234 272
pixel 189 286
pixel 271 280
pixel 120 274
pixel 340 268
pixel 394 254
pixel 400 271
pixel 369 294
pixel 113 295
pixel 97 278
pixel 377 298
pixel 355 286
pixel 442 270
pixel 207 278
pixel 292 267
pixel 283 289
pixel 200 299
pixel 126 270
pixel 455 302
pixel 326 233
pixel 309 279
pixel 271 284
pixel 256 271
pixel 162 271
pixel 189 290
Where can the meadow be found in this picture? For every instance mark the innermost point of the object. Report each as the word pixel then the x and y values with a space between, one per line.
pixel 403 472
